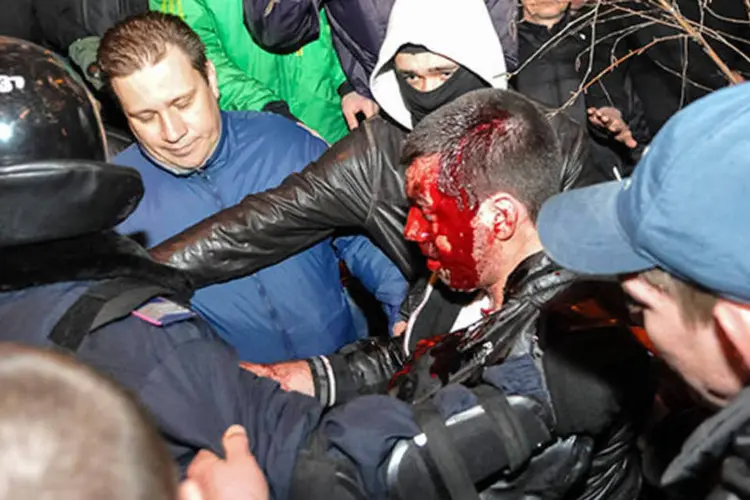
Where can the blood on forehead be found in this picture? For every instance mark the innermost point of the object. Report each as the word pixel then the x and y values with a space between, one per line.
pixel 421 173
pixel 465 163
pixel 423 184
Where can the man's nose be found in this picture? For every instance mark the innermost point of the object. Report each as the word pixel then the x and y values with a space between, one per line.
pixel 431 84
pixel 416 229
pixel 173 127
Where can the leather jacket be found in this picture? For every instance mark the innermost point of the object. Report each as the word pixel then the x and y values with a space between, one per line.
pixel 596 375
pixel 358 183
pixel 714 462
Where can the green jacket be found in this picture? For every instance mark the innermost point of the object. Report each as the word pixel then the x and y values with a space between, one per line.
pixel 249 77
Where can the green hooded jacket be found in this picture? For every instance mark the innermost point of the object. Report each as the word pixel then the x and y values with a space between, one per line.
pixel 250 77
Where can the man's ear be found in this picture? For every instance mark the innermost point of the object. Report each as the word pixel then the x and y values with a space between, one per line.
pixel 733 319
pixel 501 213
pixel 213 83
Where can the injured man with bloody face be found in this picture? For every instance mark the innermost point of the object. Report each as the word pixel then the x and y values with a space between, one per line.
pixel 465 241
pixel 479 170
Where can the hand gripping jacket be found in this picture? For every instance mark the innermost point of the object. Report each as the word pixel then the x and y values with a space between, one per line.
pixel 559 386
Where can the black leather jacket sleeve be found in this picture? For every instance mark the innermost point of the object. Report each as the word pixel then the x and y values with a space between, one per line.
pixel 576 167
pixel 348 187
pixel 357 183
pixel 360 368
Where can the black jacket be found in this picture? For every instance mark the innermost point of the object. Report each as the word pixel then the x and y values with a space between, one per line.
pixel 555 65
pixel 715 460
pixel 18 20
pixel 657 72
pixel 595 373
pixel 62 22
pixel 358 183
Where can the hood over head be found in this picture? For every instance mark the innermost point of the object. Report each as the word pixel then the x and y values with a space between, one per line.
pixel 459 30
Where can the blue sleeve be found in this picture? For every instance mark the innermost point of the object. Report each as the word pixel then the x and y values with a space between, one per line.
pixel 131 158
pixel 377 273
pixel 309 145
pixel 198 390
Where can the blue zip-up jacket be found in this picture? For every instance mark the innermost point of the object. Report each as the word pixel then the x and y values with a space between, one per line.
pixel 295 309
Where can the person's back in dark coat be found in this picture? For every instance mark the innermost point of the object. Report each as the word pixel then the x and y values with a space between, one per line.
pixel 657 73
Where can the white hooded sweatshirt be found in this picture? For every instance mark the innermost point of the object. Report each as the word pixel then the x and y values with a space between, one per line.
pixel 460 30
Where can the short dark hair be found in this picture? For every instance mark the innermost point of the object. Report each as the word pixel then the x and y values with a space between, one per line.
pixel 70 434
pixel 142 40
pixel 488 141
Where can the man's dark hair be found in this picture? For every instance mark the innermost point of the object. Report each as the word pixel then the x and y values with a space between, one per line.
pixel 488 141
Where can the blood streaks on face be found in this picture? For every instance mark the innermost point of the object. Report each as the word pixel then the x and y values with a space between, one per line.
pixel 442 226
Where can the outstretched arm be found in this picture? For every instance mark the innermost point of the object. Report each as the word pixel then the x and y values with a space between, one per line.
pixel 337 191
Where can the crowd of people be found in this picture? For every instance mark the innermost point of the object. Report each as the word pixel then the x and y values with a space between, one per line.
pixel 539 203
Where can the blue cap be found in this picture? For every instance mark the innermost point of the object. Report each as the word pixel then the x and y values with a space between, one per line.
pixel 686 209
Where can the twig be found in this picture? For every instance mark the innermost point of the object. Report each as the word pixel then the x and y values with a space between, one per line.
pixel 616 63
pixel 710 52
pixel 680 74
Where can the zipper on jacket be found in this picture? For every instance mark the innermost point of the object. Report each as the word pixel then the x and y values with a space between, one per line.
pixel 273 313
pixel 275 318
pixel 213 190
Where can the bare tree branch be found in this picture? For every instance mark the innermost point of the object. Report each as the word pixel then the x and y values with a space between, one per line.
pixel 583 88
pixel 698 37
pixel 647 13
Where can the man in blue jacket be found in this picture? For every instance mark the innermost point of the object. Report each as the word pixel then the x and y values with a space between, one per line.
pixel 196 160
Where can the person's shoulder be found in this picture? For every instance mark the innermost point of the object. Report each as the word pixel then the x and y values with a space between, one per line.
pixel 380 133
pixel 130 156
pixel 271 126
pixel 166 321
pixel 276 135
pixel 133 157
pixel 258 120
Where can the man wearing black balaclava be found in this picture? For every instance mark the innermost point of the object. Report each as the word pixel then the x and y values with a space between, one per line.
pixel 424 63
pixel 427 80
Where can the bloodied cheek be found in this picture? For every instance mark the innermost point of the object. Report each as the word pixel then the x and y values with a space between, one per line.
pixel 454 240
pixel 442 225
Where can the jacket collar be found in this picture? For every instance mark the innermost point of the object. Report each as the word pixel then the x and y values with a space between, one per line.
pixel 708 445
pixel 217 159
pixel 535 274
pixel 576 302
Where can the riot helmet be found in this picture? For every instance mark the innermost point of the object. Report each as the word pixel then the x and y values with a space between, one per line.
pixel 54 182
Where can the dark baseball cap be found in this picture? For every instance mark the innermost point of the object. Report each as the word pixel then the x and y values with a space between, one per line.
pixel 686 208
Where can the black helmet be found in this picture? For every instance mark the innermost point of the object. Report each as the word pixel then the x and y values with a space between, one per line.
pixel 53 180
